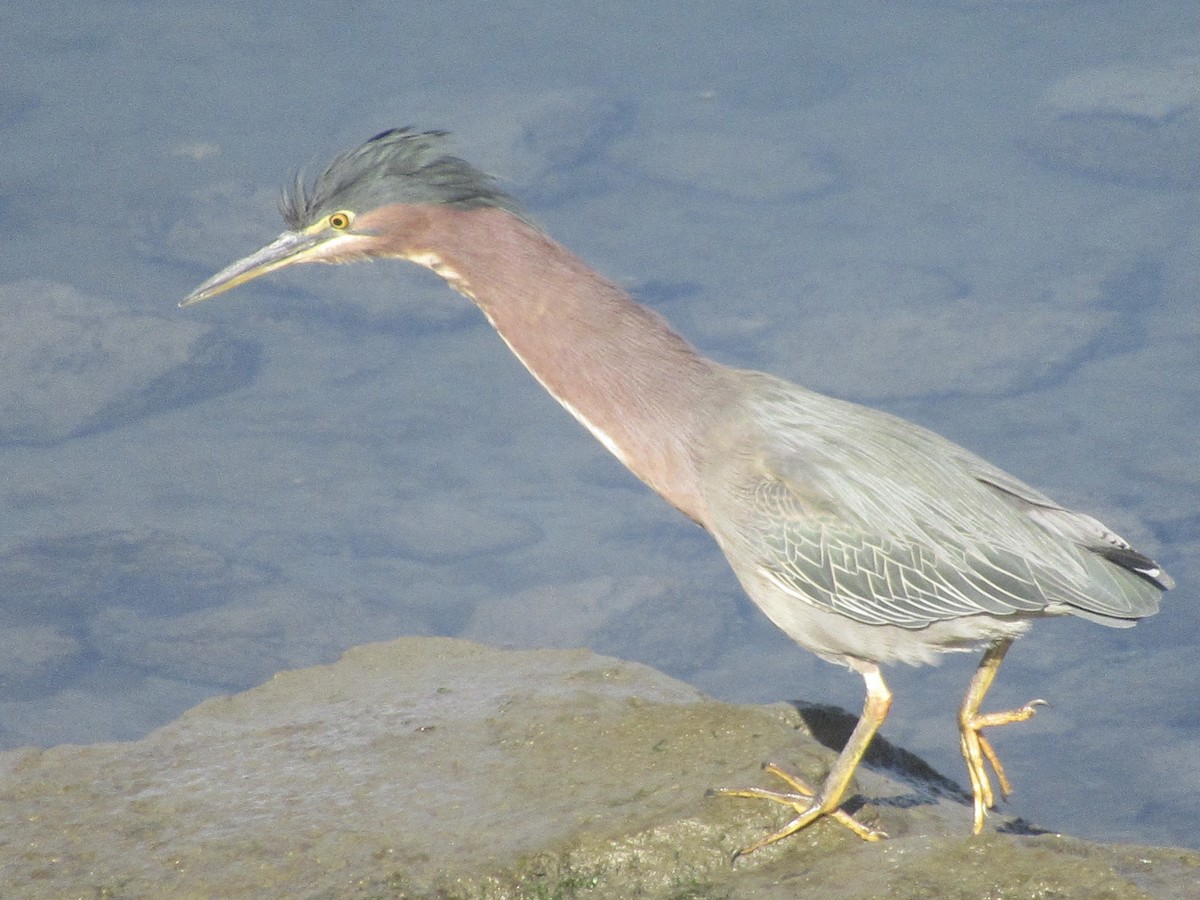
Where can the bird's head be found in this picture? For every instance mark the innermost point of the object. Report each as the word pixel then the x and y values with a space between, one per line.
pixel 359 206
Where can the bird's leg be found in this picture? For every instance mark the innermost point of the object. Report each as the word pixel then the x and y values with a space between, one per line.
pixel 811 805
pixel 975 747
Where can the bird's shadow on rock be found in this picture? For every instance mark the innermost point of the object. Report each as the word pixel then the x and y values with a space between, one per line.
pixel 831 726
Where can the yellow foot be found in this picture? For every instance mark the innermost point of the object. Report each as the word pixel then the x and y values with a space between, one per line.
pixel 804 801
pixel 977 749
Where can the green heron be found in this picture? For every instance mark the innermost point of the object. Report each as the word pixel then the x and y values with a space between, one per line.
pixel 864 537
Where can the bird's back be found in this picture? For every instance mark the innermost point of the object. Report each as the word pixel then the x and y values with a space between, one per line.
pixel 869 517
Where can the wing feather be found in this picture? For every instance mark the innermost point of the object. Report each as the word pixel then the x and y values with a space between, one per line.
pixel 882 521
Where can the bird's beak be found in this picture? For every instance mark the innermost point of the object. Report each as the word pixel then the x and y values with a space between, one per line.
pixel 315 244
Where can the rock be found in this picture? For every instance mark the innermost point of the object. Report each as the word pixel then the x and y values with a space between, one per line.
pixel 639 617
pixel 434 767
pixel 1133 124
pixel 74 365
pixel 30 654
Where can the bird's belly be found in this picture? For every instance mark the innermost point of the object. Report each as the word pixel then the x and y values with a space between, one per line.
pixel 840 639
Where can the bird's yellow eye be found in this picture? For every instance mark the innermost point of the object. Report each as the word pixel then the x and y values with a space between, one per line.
pixel 340 221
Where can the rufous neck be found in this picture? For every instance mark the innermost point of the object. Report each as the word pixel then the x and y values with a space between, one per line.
pixel 614 364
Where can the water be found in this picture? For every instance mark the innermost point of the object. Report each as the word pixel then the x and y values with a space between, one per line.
pixel 980 216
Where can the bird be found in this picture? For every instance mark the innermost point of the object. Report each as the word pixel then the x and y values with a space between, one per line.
pixel 868 539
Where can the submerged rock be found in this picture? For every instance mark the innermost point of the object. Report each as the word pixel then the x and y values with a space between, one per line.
pixel 74 365
pixel 435 767
pixel 1132 124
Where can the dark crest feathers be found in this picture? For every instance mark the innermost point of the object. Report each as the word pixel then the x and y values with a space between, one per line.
pixel 396 166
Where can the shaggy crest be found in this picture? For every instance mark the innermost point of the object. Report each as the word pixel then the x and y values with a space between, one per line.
pixel 397 166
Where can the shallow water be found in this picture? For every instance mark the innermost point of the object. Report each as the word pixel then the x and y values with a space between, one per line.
pixel 980 216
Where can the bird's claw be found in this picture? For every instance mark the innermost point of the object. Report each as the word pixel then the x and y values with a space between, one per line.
pixel 807 803
pixel 977 750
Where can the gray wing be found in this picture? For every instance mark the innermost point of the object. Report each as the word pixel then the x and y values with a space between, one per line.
pixel 1076 527
pixel 885 522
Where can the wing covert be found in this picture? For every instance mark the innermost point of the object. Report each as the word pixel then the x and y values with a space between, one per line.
pixel 885 522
